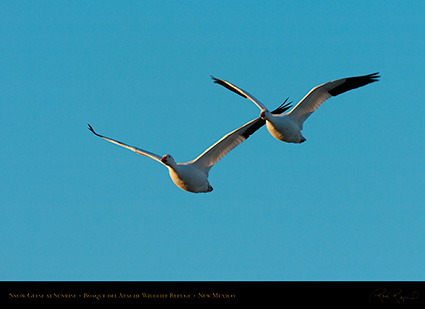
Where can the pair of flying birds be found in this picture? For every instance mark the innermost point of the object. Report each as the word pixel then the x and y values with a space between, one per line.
pixel 282 124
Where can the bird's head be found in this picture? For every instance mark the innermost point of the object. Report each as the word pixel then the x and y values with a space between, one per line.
pixel 264 114
pixel 167 159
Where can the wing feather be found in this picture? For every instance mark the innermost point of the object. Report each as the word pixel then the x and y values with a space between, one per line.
pixel 321 93
pixel 239 91
pixel 132 148
pixel 228 142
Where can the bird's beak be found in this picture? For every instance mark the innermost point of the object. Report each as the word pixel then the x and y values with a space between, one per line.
pixel 164 159
pixel 263 114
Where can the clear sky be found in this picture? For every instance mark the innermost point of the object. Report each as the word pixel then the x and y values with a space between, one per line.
pixel 345 205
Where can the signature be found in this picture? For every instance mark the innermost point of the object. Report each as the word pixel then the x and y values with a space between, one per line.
pixel 396 295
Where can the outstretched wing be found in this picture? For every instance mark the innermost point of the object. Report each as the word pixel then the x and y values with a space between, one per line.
pixel 239 91
pixel 321 93
pixel 228 142
pixel 132 148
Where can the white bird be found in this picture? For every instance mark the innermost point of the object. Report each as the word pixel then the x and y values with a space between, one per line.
pixel 192 176
pixel 287 127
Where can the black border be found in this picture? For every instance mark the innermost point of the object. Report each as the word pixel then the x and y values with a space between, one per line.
pixel 217 292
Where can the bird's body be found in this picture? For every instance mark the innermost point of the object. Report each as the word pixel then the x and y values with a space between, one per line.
pixel 283 128
pixel 287 127
pixel 189 178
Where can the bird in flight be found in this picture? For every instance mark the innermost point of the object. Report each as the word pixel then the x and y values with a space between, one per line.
pixel 192 176
pixel 287 127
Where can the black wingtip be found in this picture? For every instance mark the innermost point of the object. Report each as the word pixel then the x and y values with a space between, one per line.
pixel 253 128
pixel 218 81
pixel 91 129
pixel 354 82
pixel 374 77
pixel 283 107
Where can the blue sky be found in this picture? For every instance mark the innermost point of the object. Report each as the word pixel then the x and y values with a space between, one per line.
pixel 345 205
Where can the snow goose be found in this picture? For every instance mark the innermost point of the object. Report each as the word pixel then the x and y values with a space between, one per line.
pixel 287 127
pixel 192 176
